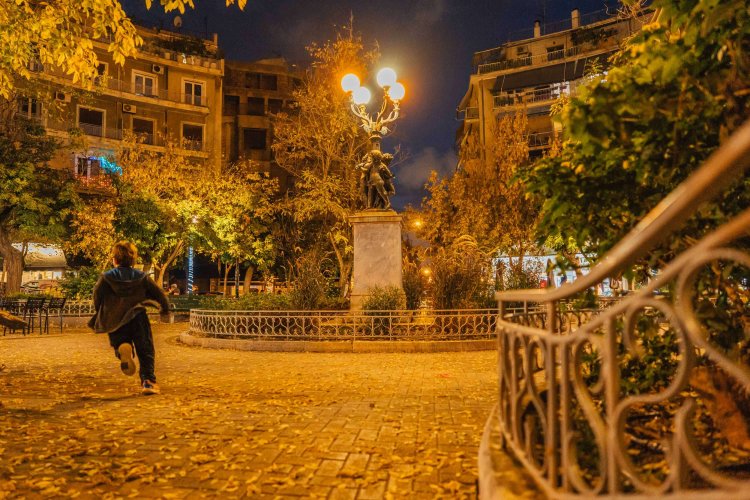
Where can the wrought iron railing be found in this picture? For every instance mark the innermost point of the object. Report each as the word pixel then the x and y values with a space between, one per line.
pixel 345 325
pixel 580 402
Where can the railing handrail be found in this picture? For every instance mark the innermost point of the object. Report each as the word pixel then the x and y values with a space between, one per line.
pixel 724 166
pixel 308 312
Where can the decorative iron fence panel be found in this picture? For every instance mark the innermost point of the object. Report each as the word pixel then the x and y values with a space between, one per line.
pixel 645 396
pixel 345 325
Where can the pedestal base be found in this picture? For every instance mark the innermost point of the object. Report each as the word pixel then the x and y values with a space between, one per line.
pixel 377 252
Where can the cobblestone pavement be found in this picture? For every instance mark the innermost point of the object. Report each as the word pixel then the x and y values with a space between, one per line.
pixel 238 424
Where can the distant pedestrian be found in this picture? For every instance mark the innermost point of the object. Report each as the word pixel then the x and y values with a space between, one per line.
pixel 120 299
pixel 173 289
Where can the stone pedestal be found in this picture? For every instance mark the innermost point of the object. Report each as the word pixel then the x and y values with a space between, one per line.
pixel 377 252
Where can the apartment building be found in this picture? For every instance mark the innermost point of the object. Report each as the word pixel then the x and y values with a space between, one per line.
pixel 533 69
pixel 253 92
pixel 170 92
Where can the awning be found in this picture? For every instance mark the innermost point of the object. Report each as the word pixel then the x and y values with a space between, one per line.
pixel 556 73
pixel 43 257
pixel 465 99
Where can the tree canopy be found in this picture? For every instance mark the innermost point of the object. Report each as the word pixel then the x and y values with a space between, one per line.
pixel 61 34
pixel 674 92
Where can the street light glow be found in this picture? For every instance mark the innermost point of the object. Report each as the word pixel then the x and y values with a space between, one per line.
pixel 350 82
pixel 386 77
pixel 361 95
pixel 397 91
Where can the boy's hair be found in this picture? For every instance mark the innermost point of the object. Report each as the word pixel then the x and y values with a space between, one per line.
pixel 124 253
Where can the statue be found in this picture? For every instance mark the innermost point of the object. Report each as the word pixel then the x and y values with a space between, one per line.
pixel 376 180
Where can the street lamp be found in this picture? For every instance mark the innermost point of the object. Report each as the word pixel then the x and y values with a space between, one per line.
pixel 393 93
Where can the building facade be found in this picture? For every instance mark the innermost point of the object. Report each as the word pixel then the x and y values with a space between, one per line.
pixel 253 92
pixel 172 91
pixel 533 71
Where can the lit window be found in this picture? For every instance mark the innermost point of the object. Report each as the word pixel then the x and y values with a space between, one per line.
pixel 193 93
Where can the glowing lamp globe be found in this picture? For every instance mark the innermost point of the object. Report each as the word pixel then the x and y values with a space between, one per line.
pixel 361 95
pixel 350 82
pixel 397 91
pixel 386 77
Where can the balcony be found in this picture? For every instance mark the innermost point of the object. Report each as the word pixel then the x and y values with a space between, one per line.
pixel 541 139
pixel 530 60
pixel 532 97
pixel 467 114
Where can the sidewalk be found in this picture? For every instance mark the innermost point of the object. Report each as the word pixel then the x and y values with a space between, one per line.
pixel 235 423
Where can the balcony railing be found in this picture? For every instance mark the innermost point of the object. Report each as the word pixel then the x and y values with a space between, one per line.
pixel 467 114
pixel 541 139
pixel 98 130
pixel 534 96
pixel 158 94
pixel 579 406
pixel 192 144
pixel 532 60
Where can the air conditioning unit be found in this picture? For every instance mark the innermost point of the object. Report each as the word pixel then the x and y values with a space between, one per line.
pixel 157 68
pixel 129 108
pixel 62 96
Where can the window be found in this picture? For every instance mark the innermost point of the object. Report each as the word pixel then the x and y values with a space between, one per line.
pixel 192 136
pixel 275 105
pixel 143 128
pixel 268 82
pixel 261 81
pixel 555 52
pixel 231 104
pixel 87 166
pixel 254 138
pixel 256 106
pixel 144 84
pixel 91 121
pixel 252 80
pixel 29 107
pixel 193 92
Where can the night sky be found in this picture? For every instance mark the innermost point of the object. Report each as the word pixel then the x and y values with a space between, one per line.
pixel 428 42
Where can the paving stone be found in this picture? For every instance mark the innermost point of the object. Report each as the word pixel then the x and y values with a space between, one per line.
pixel 231 424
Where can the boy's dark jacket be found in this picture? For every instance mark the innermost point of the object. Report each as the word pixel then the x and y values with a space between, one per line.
pixel 120 294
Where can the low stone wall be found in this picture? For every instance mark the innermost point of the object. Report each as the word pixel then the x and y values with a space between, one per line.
pixel 363 346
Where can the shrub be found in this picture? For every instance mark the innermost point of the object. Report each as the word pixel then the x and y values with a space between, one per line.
pixel 389 298
pixel 79 285
pixel 414 285
pixel 460 275
pixel 310 284
pixel 250 302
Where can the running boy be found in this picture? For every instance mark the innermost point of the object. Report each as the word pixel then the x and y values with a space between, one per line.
pixel 120 299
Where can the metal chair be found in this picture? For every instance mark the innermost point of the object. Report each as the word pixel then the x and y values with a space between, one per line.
pixel 52 306
pixel 32 311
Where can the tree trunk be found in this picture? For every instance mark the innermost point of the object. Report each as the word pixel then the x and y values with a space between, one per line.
pixel 167 263
pixel 13 264
pixel 227 270
pixel 248 279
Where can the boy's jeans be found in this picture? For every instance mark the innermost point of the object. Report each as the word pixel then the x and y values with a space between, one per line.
pixel 138 333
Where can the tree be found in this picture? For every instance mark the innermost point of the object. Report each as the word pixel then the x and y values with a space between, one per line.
pixel 483 199
pixel 320 143
pixel 240 218
pixel 35 200
pixel 61 34
pixel 674 92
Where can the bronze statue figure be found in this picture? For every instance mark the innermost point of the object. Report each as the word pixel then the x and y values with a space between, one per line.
pixel 376 180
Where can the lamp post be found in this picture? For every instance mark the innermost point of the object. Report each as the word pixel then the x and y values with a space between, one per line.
pixel 376 230
pixel 393 92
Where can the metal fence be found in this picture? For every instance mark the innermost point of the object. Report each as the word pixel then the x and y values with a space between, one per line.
pixel 345 325
pixel 621 403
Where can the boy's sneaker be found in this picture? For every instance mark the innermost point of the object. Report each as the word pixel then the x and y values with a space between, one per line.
pixel 127 363
pixel 149 387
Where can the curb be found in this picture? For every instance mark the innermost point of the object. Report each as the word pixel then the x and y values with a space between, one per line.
pixel 351 346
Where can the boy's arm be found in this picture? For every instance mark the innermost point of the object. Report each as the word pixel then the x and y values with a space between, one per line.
pixel 154 291
pixel 98 292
